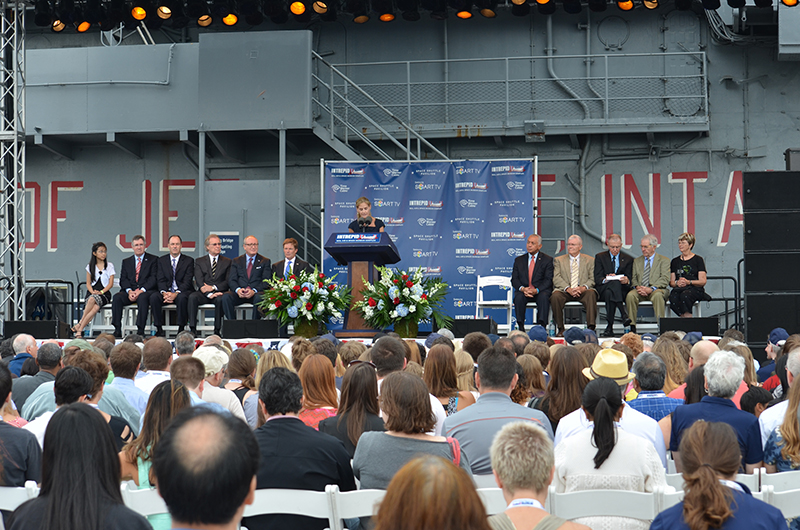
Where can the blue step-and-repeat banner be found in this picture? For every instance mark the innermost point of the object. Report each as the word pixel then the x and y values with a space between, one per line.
pixel 457 220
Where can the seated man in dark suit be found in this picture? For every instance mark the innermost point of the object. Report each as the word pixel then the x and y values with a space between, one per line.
pixel 175 273
pixel 294 455
pixel 248 273
pixel 532 281
pixel 612 279
pixel 211 273
pixel 137 283
pixel 291 264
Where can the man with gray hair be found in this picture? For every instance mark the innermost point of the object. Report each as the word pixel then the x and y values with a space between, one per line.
pixel 650 373
pixel 573 281
pixel 724 372
pixel 773 416
pixel 24 348
pixel 650 280
pixel 49 361
pixel 184 343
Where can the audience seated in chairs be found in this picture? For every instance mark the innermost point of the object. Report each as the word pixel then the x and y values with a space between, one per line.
pixel 320 400
pixel 566 385
pixel 523 465
pixel 80 478
pixel 711 456
pixel 442 380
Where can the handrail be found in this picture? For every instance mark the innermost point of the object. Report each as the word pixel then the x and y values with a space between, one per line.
pixel 308 237
pixel 409 131
pixel 737 302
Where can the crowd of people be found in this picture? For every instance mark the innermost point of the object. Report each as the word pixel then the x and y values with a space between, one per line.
pixel 617 279
pixel 424 421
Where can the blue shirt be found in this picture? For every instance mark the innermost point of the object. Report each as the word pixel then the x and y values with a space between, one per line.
pixel 748 514
pixel 15 366
pixel 136 397
pixel 766 371
pixel 655 403
pixel 719 409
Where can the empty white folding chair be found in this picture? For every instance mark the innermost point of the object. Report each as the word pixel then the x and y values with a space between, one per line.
pixel 504 282
pixel 787 501
pixel 145 501
pixel 604 503
pixel 668 499
pixel 493 500
pixel 787 480
pixel 675 480
pixel 11 498
pixel 352 504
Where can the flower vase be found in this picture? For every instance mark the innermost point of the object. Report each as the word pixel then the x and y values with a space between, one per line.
pixel 407 328
pixel 305 328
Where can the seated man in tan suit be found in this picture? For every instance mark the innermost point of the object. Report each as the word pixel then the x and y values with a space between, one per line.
pixel 650 280
pixel 573 281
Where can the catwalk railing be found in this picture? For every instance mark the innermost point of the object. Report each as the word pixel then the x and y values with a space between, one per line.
pixel 533 96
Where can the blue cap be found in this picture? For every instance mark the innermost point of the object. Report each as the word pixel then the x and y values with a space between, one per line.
pixel 331 337
pixel 494 337
pixel 538 333
pixel 777 335
pixel 649 336
pixel 693 337
pixel 429 341
pixel 590 337
pixel 574 335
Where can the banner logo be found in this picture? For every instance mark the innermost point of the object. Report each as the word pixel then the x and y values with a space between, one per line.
pixel 468 203
pixel 340 188
pixel 514 185
pixel 505 219
pixel 426 221
pixel 346 171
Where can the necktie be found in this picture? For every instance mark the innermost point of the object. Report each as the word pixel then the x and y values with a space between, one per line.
pixel 213 267
pixel 138 267
pixel 573 273
pixel 616 266
pixel 288 270
pixel 249 266
pixel 174 268
pixel 531 265
pixel 646 275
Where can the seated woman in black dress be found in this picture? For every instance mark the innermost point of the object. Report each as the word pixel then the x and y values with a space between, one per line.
pixel 687 277
pixel 364 221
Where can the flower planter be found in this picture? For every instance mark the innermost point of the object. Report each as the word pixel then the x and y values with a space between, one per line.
pixel 306 329
pixel 407 328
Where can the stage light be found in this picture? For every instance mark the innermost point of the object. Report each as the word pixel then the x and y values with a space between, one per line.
pixel 519 2
pixel 81 24
pixel 763 3
pixel 384 10
pixel 275 10
pixel 63 16
pixel 464 14
pixel 546 8
pixel 789 3
pixel 297 8
pixel 487 8
pixel 521 10
pixel 114 15
pixel 198 11
pixel 597 6
pixel 251 11
pixel 438 9
pixel 42 13
pixel 320 7
pixel 625 5
pixel 650 4
pixel 139 9
pixel 164 9
pixel 573 7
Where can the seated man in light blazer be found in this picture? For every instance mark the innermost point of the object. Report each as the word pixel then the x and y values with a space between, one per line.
pixel 650 280
pixel 573 281
pixel 246 281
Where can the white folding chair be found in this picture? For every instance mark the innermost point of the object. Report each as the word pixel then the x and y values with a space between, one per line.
pixel 788 501
pixel 751 481
pixel 291 502
pixel 504 282
pixel 484 481
pixel 668 499
pixel 675 480
pixel 352 504
pixel 145 501
pixel 11 498
pixel 787 480
pixel 604 503
pixel 493 500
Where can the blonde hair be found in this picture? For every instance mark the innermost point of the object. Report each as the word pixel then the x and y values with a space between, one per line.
pixel 790 429
pixel 465 368
pixel 522 456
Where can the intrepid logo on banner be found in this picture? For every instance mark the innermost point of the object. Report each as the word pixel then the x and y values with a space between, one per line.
pixel 472 186
pixel 426 270
pixel 498 171
pixel 507 236
pixel 357 238
pixel 425 205
pixel 347 172
pixel 394 222
pixel 472 253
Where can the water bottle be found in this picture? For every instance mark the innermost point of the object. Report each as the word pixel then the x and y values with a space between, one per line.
pixel 551 329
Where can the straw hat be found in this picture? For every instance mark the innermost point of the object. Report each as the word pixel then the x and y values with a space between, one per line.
pixel 612 364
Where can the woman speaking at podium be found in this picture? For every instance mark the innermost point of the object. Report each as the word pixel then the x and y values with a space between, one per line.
pixel 364 221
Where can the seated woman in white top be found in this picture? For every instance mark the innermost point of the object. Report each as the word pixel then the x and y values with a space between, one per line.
pixel 522 463
pixel 99 281
pixel 606 457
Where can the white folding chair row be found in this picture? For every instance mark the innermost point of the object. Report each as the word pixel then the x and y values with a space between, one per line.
pixel 608 503
pixel 142 501
pixel 788 501
pixel 787 480
pixel 11 498
pixel 755 481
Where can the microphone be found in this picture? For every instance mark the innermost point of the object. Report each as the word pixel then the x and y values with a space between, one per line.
pixel 364 222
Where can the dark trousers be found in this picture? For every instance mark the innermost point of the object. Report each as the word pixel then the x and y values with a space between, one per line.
pixel 613 294
pixel 682 299
pixel 589 300
pixel 120 300
pixel 182 304
pixel 196 299
pixel 230 300
pixel 542 300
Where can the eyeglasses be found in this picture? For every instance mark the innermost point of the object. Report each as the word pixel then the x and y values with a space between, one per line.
pixel 251 244
pixel 214 244
pixel 357 361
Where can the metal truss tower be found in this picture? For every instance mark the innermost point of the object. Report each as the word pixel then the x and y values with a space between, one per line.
pixel 12 160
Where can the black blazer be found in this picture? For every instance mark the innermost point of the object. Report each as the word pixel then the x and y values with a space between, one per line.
pixel 147 274
pixel 299 266
pixel 542 273
pixel 261 272
pixel 184 273
pixel 603 267
pixel 202 272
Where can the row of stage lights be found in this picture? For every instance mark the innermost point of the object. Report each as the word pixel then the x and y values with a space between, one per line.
pixel 109 14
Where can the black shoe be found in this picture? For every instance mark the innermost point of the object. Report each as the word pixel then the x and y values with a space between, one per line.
pixel 633 328
pixel 591 327
pixel 193 331
pixel 160 332
pixel 608 332
pixel 117 333
pixel 626 322
pixel 140 331
pixel 218 332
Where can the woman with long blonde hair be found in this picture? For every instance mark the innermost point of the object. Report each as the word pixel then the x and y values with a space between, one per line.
pixel 677 369
pixel 782 450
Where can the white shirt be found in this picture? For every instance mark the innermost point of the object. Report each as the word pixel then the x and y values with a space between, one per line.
pixel 224 397
pixel 105 275
pixel 39 426
pixel 150 380
pixel 438 411
pixel 632 421
pixel 771 418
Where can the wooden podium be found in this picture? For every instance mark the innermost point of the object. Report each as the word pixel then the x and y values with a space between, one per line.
pixel 361 253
